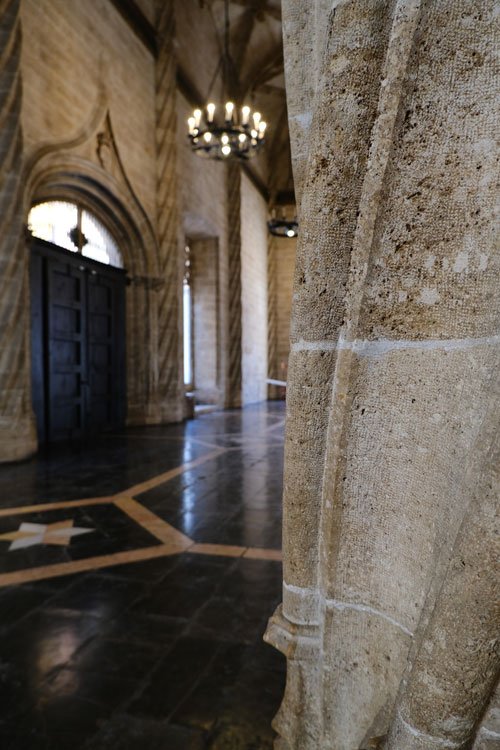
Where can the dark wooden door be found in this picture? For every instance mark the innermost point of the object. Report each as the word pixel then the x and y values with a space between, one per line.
pixel 78 352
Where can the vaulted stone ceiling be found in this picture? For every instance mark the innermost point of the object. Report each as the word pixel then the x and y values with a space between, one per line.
pixel 257 51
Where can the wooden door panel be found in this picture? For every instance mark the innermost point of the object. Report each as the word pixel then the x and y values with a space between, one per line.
pixel 67 357
pixel 100 293
pixel 78 352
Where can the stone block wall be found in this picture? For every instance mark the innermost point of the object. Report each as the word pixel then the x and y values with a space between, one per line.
pixel 202 204
pixel 71 52
pixel 205 320
pixel 95 108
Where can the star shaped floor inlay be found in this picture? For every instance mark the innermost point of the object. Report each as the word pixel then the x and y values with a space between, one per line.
pixel 31 534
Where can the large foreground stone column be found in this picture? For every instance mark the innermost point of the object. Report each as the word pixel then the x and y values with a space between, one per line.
pixel 170 380
pixel 392 398
pixel 17 431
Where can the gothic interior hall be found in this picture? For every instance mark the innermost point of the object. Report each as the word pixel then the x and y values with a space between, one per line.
pixel 249 375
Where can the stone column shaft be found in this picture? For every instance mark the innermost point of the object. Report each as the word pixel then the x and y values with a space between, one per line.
pixel 170 380
pixel 395 347
pixel 17 431
pixel 234 371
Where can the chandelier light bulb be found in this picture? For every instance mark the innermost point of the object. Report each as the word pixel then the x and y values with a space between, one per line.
pixel 225 139
pixel 197 117
pixel 254 133
pixel 242 137
pixel 210 112
pixel 207 137
pixel 290 233
pixel 256 119
pixel 226 150
pixel 245 115
pixel 191 125
pixel 262 128
pixel 229 111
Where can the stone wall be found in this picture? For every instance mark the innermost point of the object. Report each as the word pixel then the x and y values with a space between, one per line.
pixel 104 125
pixel 205 320
pixel 17 428
pixel 391 473
pixel 254 242
pixel 72 50
pixel 202 189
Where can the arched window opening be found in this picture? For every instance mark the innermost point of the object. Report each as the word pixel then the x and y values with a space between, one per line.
pixel 72 227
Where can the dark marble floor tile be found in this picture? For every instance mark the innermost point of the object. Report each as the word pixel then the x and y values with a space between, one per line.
pixel 175 678
pixel 130 733
pixel 100 596
pixel 148 571
pixel 187 588
pixel 138 628
pixel 113 657
pixel 73 700
pixel 226 703
pixel 237 622
pixel 106 659
pixel 205 703
pixel 18 601
pixel 38 739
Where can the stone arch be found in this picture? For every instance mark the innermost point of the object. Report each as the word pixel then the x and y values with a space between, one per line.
pixel 54 173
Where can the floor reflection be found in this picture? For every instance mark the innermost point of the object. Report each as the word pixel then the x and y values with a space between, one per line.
pixel 161 654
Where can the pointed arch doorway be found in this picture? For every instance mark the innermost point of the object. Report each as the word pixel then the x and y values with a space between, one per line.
pixel 78 323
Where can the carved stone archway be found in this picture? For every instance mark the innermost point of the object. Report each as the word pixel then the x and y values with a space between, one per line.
pixel 63 171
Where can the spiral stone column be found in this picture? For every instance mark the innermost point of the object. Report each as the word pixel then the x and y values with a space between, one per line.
pixel 17 431
pixel 233 203
pixel 170 381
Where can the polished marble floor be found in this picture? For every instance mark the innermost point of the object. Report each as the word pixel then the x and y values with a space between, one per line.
pixel 137 573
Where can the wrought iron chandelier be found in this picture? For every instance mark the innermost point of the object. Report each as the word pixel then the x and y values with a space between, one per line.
pixel 226 131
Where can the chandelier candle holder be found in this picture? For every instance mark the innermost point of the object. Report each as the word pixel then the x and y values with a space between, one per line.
pixel 239 133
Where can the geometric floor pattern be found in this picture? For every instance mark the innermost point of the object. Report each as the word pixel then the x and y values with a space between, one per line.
pixel 137 574
pixel 171 541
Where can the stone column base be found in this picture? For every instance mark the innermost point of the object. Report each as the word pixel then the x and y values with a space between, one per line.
pixel 18 441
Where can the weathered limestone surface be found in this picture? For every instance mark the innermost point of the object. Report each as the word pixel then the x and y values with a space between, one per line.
pixel 170 380
pixel 17 432
pixel 205 285
pixel 391 477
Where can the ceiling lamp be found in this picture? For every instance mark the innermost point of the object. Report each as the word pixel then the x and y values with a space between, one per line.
pixel 226 131
pixel 283 228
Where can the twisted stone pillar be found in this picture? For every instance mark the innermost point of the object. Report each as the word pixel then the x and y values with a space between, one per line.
pixel 390 454
pixel 17 433
pixel 233 203
pixel 170 379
